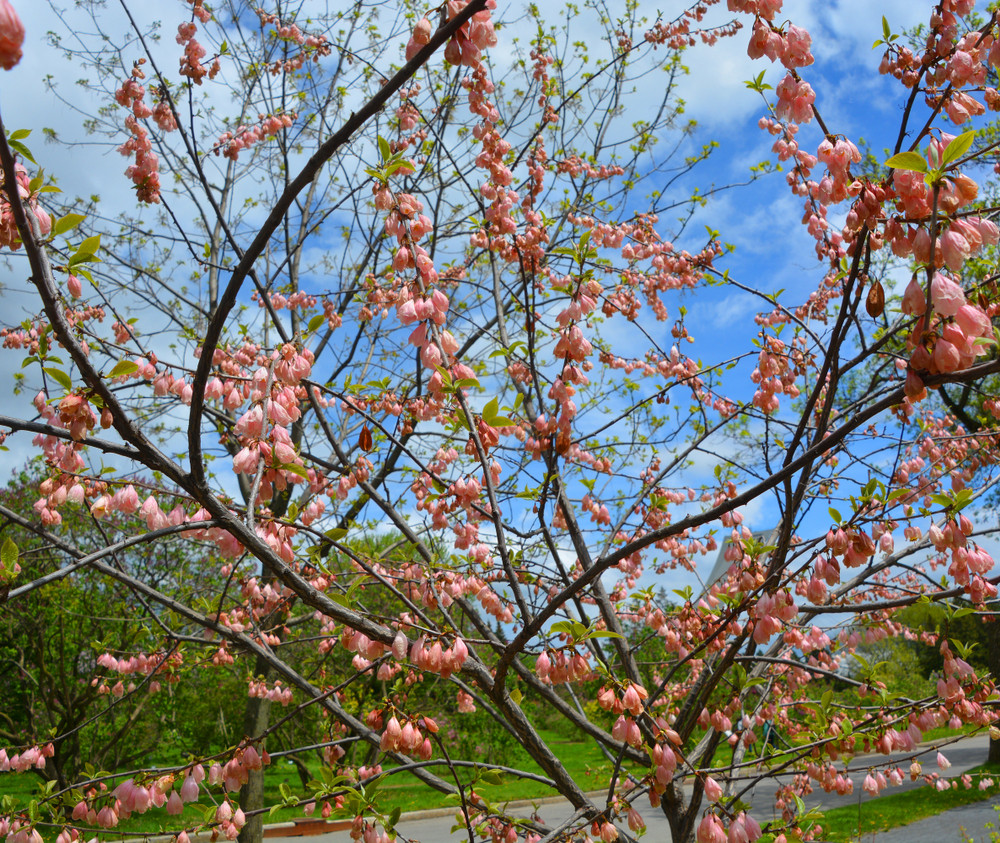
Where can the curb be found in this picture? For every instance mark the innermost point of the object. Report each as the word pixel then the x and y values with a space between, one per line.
pixel 308 827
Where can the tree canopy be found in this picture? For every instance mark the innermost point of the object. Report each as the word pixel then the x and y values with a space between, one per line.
pixel 399 392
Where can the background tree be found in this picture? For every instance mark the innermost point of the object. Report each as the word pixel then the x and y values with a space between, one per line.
pixel 53 639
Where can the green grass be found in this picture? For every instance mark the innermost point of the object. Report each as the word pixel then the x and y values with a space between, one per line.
pixel 894 810
pixel 584 762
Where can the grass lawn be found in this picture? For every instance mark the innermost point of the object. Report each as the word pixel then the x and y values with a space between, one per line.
pixel 582 759
pixel 898 809
pixel 584 762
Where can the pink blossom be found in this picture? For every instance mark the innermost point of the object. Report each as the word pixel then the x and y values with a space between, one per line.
pixel 189 789
pixel 946 356
pixel 710 830
pixel 797 44
pixel 422 32
pixel 973 322
pixel 11 36
pixel 955 249
pixel 946 296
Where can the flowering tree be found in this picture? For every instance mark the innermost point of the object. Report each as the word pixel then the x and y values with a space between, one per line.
pixel 391 276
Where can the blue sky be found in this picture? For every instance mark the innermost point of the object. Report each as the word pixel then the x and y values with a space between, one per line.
pixel 772 249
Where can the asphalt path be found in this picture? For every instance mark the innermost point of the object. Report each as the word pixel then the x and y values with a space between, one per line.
pixel 436 826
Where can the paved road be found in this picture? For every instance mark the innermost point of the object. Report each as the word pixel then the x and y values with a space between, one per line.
pixel 435 827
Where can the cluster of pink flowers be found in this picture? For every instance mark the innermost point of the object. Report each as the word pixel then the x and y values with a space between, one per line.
pixel 769 611
pixel 790 47
pixel 76 415
pixel 20 831
pixel 298 300
pixel 556 666
pixel 242 137
pixel 235 772
pixel 743 829
pixel 408 737
pixel 368 832
pixel 230 821
pixel 144 173
pixel 275 693
pixel 314 47
pixel 9 236
pixel 951 345
pixel 631 699
pixel 778 367
pixel 194 52
pixel 436 659
pixel 162 665
pixel 32 757
pixel 795 100
pixel 679 34
pixel 466 45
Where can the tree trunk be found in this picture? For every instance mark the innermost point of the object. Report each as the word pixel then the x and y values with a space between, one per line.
pixel 256 716
pixel 993 660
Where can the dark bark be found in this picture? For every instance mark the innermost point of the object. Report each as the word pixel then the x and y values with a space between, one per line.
pixel 256 717
pixel 993 661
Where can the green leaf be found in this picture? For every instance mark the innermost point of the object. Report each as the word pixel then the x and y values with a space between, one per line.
pixel 295 469
pixel 87 252
pixel 383 148
pixel 490 411
pixel 516 696
pixel 908 161
pixel 8 555
pixel 835 516
pixel 22 150
pixel 336 534
pixel 958 147
pixel 315 322
pixel 395 166
pixel 886 32
pixel 491 777
pixel 123 367
pixel 569 628
pixel 19 134
pixel 60 377
pixel 394 816
pixel 65 223
pixel 90 245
